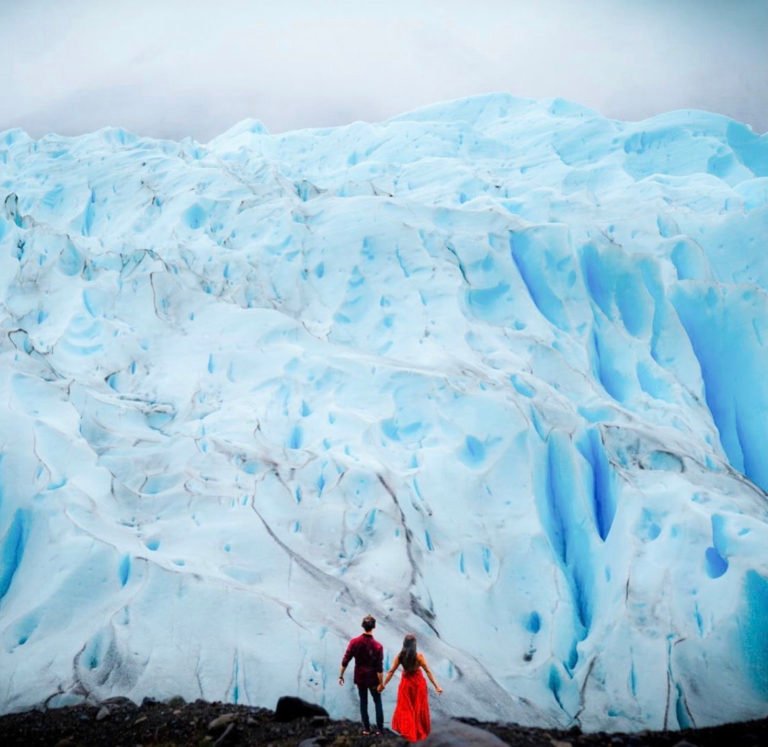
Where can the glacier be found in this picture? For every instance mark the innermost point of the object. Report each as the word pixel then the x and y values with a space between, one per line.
pixel 493 371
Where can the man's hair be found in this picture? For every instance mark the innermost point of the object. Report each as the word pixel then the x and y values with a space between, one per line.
pixel 369 623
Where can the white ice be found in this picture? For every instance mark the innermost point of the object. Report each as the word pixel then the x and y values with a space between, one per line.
pixel 492 371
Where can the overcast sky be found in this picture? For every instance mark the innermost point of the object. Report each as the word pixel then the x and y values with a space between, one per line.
pixel 172 68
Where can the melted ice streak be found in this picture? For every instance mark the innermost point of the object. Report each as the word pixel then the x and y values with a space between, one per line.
pixel 492 371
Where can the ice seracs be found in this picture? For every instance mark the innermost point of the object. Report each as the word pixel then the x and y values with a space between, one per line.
pixel 492 371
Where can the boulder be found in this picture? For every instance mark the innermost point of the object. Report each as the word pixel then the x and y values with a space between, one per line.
pixel 289 708
pixel 452 733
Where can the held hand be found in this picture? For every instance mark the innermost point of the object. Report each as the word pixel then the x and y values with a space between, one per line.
pixel 380 688
pixel 341 679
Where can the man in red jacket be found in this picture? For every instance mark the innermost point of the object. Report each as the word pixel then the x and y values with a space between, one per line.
pixel 368 654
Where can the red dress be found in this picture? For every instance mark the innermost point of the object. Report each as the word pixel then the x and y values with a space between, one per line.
pixel 411 716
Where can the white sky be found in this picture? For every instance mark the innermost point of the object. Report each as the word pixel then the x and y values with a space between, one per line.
pixel 172 68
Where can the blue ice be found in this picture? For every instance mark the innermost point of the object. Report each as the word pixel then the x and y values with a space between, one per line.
pixel 716 564
pixel 472 452
pixel 569 539
pixel 71 260
pixel 538 271
pixel 484 301
pixel 124 569
pixel 194 216
pixel 754 641
pixel 12 549
pixel 603 481
pixel 533 622
pixel 733 362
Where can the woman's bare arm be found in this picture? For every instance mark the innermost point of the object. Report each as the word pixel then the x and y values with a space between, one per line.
pixel 423 664
pixel 392 669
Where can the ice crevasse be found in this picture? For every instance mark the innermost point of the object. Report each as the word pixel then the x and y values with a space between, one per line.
pixel 493 371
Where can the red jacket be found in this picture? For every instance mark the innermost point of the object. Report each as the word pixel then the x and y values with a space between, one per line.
pixel 368 654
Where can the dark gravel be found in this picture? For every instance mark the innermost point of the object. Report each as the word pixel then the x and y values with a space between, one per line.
pixel 119 722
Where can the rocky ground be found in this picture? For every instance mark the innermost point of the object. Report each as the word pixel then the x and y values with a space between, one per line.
pixel 120 722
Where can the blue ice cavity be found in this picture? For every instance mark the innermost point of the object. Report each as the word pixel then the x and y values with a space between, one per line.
pixel 521 386
pixel 754 641
pixel 92 656
pixel 649 528
pixel 533 622
pixel 615 284
pixel 682 714
pixel 733 358
pixel 689 260
pixel 195 216
pixel 567 534
pixel 71 261
pixel 555 684
pixel 538 255
pixel 12 549
pixel 296 439
pixel 716 564
pixel 716 556
pixel 609 361
pixel 651 382
pixel 603 481
pixel 24 628
pixel 124 569
pixel 472 452
pixel 88 215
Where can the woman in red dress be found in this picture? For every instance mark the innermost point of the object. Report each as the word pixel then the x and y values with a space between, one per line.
pixel 411 716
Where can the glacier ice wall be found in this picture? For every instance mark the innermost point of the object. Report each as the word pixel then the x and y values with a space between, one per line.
pixel 493 371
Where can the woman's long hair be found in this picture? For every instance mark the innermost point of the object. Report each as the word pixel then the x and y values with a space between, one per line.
pixel 408 653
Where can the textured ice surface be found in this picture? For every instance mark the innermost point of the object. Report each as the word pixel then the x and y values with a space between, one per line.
pixel 493 371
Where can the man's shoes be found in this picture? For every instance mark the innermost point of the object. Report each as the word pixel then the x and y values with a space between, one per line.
pixel 365 733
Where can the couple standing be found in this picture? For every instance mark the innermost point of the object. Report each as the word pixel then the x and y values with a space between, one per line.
pixel 411 716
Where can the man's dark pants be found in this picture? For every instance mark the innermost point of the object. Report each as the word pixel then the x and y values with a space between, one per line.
pixel 376 695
